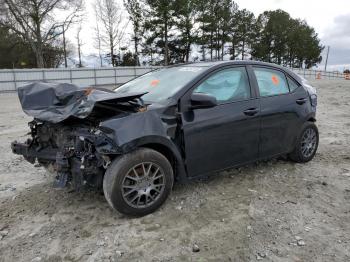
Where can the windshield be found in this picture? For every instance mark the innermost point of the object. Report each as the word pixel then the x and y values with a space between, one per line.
pixel 161 84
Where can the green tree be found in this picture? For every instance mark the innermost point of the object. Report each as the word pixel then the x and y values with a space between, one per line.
pixel 283 40
pixel 208 26
pixel 233 31
pixel 309 47
pixel 54 54
pixel 226 10
pixel 160 21
pixel 186 14
pixel 273 35
pixel 128 59
pixel 34 21
pixel 16 53
pixel 203 21
pixel 245 33
pixel 149 47
pixel 136 16
pixel 214 18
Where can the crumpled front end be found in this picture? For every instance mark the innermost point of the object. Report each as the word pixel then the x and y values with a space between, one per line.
pixel 77 133
pixel 65 135
pixel 79 154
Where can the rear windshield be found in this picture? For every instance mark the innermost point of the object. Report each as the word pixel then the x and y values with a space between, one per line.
pixel 161 84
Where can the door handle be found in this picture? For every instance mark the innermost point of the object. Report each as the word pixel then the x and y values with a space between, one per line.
pixel 301 101
pixel 251 111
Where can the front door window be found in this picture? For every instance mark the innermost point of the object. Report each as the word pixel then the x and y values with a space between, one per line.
pixel 227 85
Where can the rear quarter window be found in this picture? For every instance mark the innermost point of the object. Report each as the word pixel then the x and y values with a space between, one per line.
pixel 292 84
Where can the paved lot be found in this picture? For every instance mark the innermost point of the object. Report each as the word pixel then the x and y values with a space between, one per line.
pixel 270 211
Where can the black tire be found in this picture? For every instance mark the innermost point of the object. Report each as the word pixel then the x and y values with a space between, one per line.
pixel 122 170
pixel 298 154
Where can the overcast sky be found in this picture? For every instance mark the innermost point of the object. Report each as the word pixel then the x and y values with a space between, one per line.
pixel 331 20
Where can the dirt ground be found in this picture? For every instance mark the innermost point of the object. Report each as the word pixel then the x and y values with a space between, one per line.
pixel 270 211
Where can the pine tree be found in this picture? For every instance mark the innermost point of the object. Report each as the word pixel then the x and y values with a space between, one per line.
pixel 160 21
pixel 283 40
pixel 245 23
pixel 136 16
pixel 186 14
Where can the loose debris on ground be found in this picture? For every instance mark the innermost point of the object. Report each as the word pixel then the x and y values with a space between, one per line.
pixel 270 211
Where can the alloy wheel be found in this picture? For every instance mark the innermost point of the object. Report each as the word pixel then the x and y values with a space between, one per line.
pixel 308 142
pixel 143 185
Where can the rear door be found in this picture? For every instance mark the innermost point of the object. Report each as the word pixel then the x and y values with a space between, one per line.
pixel 280 112
pixel 226 135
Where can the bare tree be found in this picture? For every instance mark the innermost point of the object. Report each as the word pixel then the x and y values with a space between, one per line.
pixel 79 43
pixel 98 44
pixel 34 20
pixel 110 14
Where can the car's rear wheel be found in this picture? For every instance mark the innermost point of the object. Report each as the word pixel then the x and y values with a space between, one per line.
pixel 307 144
pixel 139 182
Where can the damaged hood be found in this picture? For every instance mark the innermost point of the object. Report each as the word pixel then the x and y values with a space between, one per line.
pixel 55 102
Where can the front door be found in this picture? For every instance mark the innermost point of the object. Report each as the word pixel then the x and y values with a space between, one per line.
pixel 228 134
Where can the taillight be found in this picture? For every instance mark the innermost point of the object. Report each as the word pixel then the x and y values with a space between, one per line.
pixel 313 99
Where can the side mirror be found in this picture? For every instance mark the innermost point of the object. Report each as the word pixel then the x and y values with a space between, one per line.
pixel 201 100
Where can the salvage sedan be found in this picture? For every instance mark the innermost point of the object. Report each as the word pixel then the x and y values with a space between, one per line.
pixel 172 124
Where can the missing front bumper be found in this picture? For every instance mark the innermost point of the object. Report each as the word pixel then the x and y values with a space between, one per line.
pixel 31 154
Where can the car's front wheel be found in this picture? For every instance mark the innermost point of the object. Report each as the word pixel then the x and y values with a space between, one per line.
pixel 139 182
pixel 307 144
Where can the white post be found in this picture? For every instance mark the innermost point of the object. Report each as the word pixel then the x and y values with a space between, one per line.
pixel 14 78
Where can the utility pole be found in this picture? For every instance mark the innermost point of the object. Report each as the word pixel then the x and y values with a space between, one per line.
pixel 325 66
pixel 64 47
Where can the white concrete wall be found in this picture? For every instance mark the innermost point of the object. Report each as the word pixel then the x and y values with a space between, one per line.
pixel 10 80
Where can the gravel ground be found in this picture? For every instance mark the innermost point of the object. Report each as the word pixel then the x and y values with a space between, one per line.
pixel 269 211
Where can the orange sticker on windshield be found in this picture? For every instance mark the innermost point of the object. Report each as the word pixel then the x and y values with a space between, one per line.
pixel 275 80
pixel 155 82
pixel 88 91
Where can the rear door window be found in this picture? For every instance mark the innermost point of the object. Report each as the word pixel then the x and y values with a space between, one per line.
pixel 271 82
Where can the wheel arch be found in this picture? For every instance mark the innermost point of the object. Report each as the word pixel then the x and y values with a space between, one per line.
pixel 311 119
pixel 166 148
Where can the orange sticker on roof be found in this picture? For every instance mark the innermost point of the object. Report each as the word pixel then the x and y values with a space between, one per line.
pixel 275 80
pixel 155 82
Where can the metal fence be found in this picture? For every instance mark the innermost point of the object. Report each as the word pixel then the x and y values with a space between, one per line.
pixel 10 80
pixel 319 74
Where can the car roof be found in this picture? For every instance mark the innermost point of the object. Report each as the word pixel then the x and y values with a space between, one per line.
pixel 229 62
pixel 218 64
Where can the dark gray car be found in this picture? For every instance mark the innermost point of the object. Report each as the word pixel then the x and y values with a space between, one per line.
pixel 173 124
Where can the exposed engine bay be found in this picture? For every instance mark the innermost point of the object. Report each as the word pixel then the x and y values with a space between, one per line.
pixel 73 151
